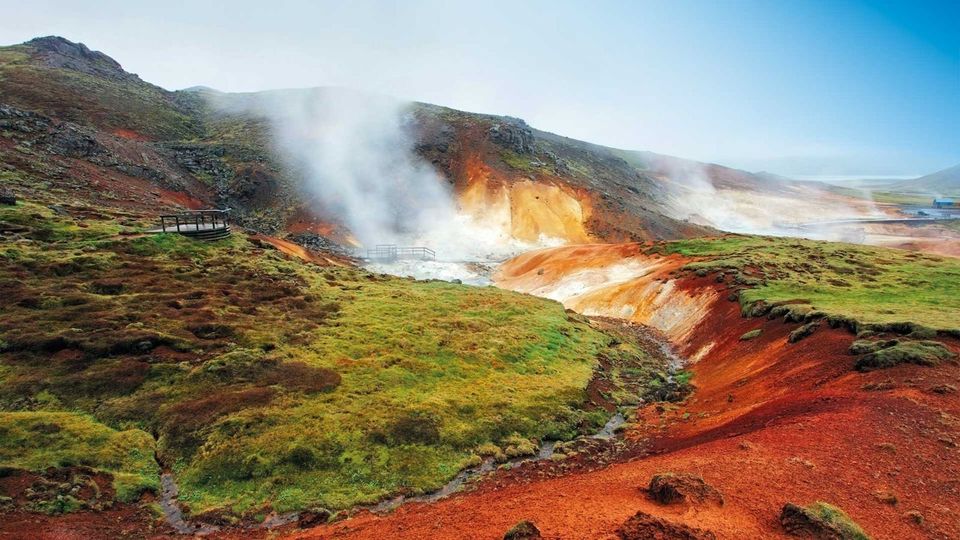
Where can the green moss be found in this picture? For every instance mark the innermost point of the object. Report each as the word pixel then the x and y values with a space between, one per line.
pixel 37 440
pixel 517 162
pixel 880 355
pixel 838 519
pixel 753 334
pixel 859 283
pixel 270 381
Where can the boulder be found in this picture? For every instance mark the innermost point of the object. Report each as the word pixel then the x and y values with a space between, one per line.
pixel 7 197
pixel 313 517
pixel 819 521
pixel 643 526
pixel 670 488
pixel 524 530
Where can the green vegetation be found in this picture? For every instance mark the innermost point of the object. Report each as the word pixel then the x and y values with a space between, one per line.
pixel 37 440
pixel 868 285
pixel 269 382
pixel 517 162
pixel 838 520
pixel 885 354
pixel 753 334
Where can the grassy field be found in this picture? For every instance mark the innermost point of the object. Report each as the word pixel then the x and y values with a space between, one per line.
pixel 266 381
pixel 864 283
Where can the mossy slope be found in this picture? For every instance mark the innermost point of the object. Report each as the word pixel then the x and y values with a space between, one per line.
pixel 272 383
pixel 866 284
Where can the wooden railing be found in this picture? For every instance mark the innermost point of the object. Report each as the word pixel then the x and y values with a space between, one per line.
pixel 194 220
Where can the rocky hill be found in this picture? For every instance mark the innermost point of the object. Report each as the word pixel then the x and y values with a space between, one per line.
pixel 73 118
pixel 940 183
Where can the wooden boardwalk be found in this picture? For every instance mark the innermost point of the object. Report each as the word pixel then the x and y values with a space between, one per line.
pixel 198 224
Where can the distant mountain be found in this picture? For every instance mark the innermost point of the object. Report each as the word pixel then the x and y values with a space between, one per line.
pixel 945 182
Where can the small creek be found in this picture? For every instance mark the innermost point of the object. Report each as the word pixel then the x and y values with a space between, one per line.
pixel 175 518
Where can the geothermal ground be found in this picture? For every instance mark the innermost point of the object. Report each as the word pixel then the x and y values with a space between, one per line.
pixel 610 365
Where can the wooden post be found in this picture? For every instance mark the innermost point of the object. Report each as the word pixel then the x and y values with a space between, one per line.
pixel 163 224
pixel 178 222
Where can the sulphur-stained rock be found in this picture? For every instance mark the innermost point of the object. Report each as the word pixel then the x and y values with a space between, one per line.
pixel 524 530
pixel 643 526
pixel 670 488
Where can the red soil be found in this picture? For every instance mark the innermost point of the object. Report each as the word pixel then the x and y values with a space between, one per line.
pixel 130 134
pixel 770 423
pixel 299 252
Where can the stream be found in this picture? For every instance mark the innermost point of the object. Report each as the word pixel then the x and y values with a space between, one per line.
pixel 175 518
pixel 654 343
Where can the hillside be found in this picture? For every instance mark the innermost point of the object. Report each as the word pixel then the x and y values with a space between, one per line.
pixel 83 117
pixel 271 383
pixel 940 183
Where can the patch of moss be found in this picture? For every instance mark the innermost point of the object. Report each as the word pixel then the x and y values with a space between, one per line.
pixel 753 334
pixel 37 440
pixel 881 355
pixel 838 519
pixel 270 381
pixel 854 285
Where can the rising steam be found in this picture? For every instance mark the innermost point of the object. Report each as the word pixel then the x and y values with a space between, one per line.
pixel 356 155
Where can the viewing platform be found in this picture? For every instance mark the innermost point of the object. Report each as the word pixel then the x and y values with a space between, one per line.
pixel 391 252
pixel 198 224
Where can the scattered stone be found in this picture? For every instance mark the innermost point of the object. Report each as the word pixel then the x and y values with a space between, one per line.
pixel 914 516
pixel 803 331
pixel 643 526
pixel 670 488
pixel 524 530
pixel 944 389
pixel 7 197
pixel 313 517
pixel 886 497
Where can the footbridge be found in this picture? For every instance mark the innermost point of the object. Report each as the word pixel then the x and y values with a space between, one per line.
pixel 392 252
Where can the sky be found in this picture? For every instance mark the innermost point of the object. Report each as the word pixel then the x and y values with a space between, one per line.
pixel 798 88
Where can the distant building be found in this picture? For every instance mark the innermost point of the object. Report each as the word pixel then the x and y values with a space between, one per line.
pixel 944 203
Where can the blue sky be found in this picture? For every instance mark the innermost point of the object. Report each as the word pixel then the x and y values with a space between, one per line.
pixel 800 87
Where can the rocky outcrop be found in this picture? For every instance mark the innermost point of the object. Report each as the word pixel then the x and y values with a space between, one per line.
pixel 643 526
pixel 799 521
pixel 513 134
pixel 57 52
pixel 670 488
pixel 525 530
